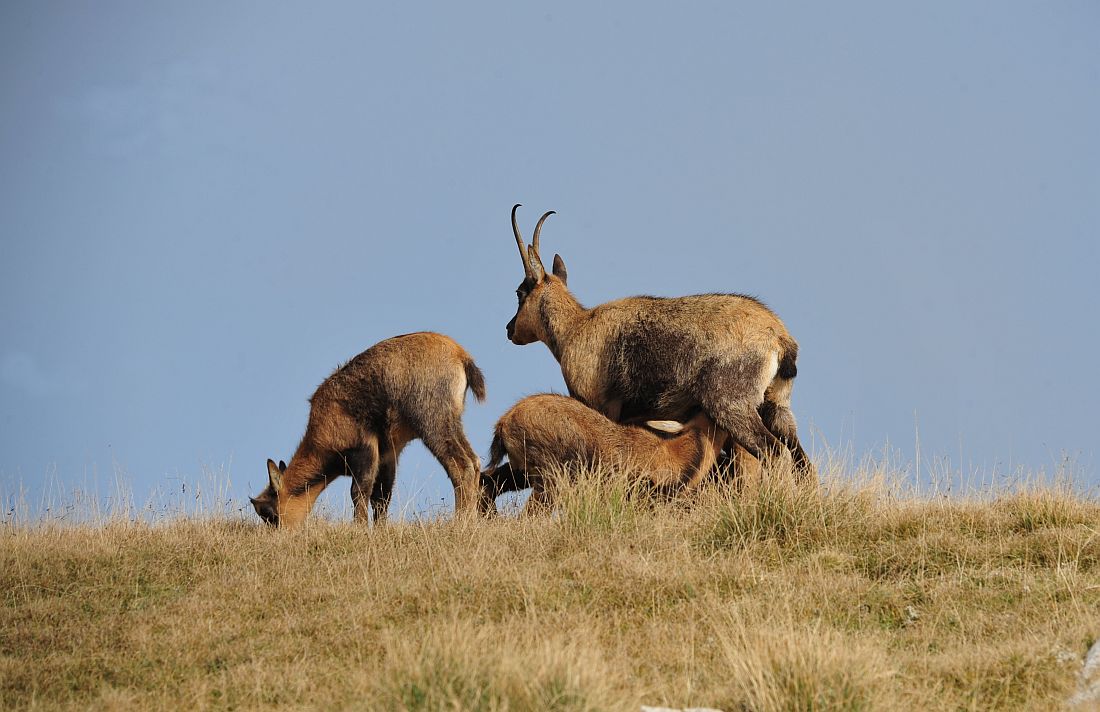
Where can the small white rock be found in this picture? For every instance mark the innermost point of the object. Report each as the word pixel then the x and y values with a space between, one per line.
pixel 1088 685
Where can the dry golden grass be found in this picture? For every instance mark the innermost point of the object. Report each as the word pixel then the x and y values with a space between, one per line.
pixel 851 597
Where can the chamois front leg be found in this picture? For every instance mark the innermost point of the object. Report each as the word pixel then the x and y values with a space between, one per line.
pixel 362 465
pixel 497 481
pixel 383 486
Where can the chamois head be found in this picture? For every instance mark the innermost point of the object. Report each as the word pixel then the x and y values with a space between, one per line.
pixel 526 326
pixel 267 503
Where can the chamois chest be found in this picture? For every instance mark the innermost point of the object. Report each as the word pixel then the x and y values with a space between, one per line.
pixel 584 369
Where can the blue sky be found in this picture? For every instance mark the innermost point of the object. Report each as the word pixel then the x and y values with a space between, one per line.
pixel 205 207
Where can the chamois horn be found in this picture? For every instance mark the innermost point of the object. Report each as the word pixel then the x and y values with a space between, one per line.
pixel 538 229
pixel 519 241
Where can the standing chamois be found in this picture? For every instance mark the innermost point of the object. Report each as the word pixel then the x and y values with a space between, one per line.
pixel 544 433
pixel 363 415
pixel 651 357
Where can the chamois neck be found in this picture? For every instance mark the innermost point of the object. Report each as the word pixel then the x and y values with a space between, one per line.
pixel 559 312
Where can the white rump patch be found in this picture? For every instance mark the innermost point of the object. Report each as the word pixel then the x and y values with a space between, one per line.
pixel 770 372
pixel 459 393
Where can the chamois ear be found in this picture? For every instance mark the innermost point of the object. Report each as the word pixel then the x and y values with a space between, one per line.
pixel 665 426
pixel 559 269
pixel 275 475
pixel 537 270
pixel 282 466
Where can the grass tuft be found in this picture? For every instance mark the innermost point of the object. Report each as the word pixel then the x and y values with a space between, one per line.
pixel 777 509
pixel 465 668
pixel 799 668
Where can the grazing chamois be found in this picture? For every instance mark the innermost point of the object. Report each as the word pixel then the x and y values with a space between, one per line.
pixel 659 358
pixel 541 434
pixel 362 416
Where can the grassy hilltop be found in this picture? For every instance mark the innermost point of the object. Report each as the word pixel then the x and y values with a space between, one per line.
pixel 854 597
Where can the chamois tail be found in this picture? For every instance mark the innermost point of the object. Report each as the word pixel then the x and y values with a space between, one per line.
pixel 475 379
pixel 497 451
pixel 788 356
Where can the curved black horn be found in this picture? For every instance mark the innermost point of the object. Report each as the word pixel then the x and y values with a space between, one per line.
pixel 519 241
pixel 538 229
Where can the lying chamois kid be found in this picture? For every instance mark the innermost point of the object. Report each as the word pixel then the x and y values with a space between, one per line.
pixel 360 418
pixel 542 434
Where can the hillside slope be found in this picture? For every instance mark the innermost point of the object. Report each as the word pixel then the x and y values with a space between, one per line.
pixel 767 599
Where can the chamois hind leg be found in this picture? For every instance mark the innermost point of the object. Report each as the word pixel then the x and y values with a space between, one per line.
pixel 749 431
pixel 383 485
pixel 776 413
pixel 730 393
pixel 448 443
pixel 362 464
